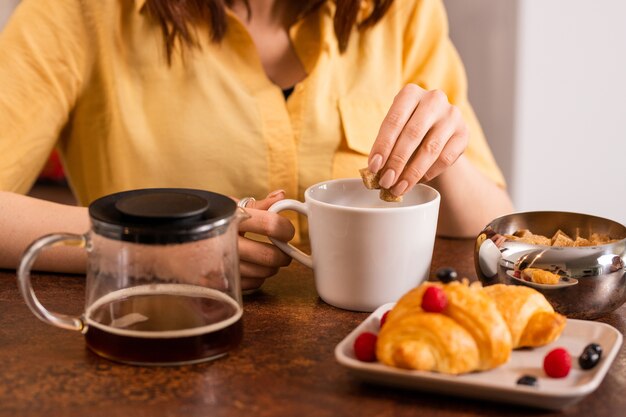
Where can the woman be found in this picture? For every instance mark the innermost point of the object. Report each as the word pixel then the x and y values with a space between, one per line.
pixel 243 99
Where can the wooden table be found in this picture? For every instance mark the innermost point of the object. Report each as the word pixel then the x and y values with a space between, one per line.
pixel 285 366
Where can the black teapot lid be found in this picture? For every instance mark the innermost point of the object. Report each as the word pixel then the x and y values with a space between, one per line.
pixel 161 215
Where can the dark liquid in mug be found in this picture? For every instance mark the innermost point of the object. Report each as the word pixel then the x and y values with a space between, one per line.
pixel 164 324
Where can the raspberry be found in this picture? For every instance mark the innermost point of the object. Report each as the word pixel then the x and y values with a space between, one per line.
pixel 557 363
pixel 434 300
pixel 383 319
pixel 365 347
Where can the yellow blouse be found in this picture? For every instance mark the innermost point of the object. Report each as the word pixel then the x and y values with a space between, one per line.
pixel 91 78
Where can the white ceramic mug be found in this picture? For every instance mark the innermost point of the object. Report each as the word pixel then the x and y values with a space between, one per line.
pixel 365 252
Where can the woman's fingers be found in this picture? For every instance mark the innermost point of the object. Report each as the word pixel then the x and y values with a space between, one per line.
pixel 264 204
pixel 428 154
pixel 260 260
pixel 422 135
pixel 248 284
pixel 265 223
pixel 261 253
pixel 268 224
pixel 420 141
pixel 452 151
pixel 256 272
pixel 398 115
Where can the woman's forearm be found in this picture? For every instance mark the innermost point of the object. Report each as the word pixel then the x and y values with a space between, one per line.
pixel 469 200
pixel 24 219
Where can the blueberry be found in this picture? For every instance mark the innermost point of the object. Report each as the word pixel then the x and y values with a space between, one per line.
pixel 529 380
pixel 446 274
pixel 590 356
pixel 595 347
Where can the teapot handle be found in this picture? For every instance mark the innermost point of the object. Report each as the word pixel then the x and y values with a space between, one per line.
pixel 23 275
pixel 288 248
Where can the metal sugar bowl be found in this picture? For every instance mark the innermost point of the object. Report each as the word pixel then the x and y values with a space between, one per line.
pixel 584 282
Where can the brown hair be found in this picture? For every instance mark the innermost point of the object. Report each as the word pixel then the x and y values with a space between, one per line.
pixel 177 18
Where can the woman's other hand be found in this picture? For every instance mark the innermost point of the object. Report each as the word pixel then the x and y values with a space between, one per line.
pixel 261 260
pixel 421 136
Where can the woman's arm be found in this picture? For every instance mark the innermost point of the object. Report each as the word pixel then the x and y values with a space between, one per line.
pixel 431 133
pixel 24 219
pixel 469 200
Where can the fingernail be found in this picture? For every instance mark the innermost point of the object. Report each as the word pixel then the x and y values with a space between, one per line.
pixel 375 163
pixel 388 178
pixel 400 188
pixel 276 193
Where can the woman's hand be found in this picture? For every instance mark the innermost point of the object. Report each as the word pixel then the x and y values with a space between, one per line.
pixel 260 260
pixel 421 136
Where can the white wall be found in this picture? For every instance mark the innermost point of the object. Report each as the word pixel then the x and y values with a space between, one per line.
pixel 565 144
pixel 570 118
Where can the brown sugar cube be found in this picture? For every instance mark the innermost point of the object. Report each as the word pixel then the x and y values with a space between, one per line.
pixel 581 241
pixel 539 276
pixel 536 240
pixel 560 238
pixel 370 179
pixel 386 195
pixel 541 240
pixel 599 239
pixel 523 233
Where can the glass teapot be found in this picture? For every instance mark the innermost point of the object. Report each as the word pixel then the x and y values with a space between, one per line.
pixel 163 284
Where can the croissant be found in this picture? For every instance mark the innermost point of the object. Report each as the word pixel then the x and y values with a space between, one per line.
pixel 428 342
pixel 470 334
pixel 531 319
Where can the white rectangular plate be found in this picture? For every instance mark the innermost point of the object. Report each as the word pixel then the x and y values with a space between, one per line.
pixel 500 384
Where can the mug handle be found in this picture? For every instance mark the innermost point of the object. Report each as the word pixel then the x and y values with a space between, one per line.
pixel 288 248
pixel 23 276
